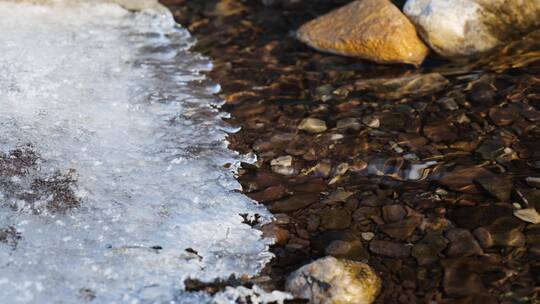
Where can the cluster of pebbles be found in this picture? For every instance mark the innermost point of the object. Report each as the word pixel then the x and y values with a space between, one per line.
pixel 432 176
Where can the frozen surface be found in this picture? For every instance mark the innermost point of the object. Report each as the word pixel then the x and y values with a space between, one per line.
pixel 112 153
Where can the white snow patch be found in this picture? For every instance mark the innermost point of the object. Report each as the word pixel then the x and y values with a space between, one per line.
pixel 255 295
pixel 115 97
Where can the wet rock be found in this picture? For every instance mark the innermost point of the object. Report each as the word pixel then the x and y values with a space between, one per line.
pixel 460 282
pixel 348 123
pixel 358 166
pixel 389 249
pixel 367 236
pixel 312 125
pixel 403 229
pixel 448 103
pixel 321 241
pixel 440 131
pixel 371 121
pixel 227 8
pixel 370 29
pixel 533 181
pixel 284 161
pixel 283 170
pixel 428 250
pixel 407 86
pixel 282 165
pixel 533 199
pixel 335 281
pixel 280 235
pixel 503 232
pixel 471 217
pixel 468 28
pixel 337 196
pixel 315 185
pixel 473 299
pixel 529 215
pixel 393 213
pixel 503 116
pixel 462 243
pixel 462 179
pixel 269 194
pixel 293 203
pixel 412 141
pixel 323 169
pixel 499 188
pixel 335 219
pixel 482 92
pixel 490 149
pixel 281 219
pixel 352 250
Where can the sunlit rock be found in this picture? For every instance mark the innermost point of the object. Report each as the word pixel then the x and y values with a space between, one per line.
pixel 471 27
pixel 335 281
pixel 312 125
pixel 375 30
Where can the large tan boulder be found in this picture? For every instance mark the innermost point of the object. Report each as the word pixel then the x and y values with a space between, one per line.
pixel 335 281
pixel 375 30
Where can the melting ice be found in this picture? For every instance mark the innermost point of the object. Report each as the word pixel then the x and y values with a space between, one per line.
pixel 112 184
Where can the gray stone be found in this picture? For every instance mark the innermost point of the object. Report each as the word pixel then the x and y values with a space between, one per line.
pixel 472 27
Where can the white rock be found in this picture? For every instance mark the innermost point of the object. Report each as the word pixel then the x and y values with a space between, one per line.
pixel 368 236
pixel 470 27
pixel 312 125
pixel 533 181
pixel 283 165
pixel 285 161
pixel 529 215
pixel 335 281
pixel 371 121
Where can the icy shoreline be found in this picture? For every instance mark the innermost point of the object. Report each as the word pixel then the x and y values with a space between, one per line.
pixel 114 98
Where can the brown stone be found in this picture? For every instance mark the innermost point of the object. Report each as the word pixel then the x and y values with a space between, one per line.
pixel 428 250
pixel 293 203
pixel 393 213
pixel 369 29
pixel 403 229
pixel 440 131
pixel 459 282
pixel 503 116
pixel 336 219
pixel 503 232
pixel 389 249
pixel 352 250
pixel 462 179
pixel 413 86
pixel 471 217
pixel 462 243
pixel 280 235
pixel 269 194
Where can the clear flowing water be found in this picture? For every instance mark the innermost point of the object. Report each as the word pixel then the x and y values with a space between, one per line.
pixel 112 184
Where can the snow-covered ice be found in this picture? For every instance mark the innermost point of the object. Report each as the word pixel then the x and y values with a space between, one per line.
pixel 112 152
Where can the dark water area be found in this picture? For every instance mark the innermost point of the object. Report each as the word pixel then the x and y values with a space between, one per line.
pixel 441 162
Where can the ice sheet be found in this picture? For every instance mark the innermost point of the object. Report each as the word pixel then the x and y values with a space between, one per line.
pixel 112 152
